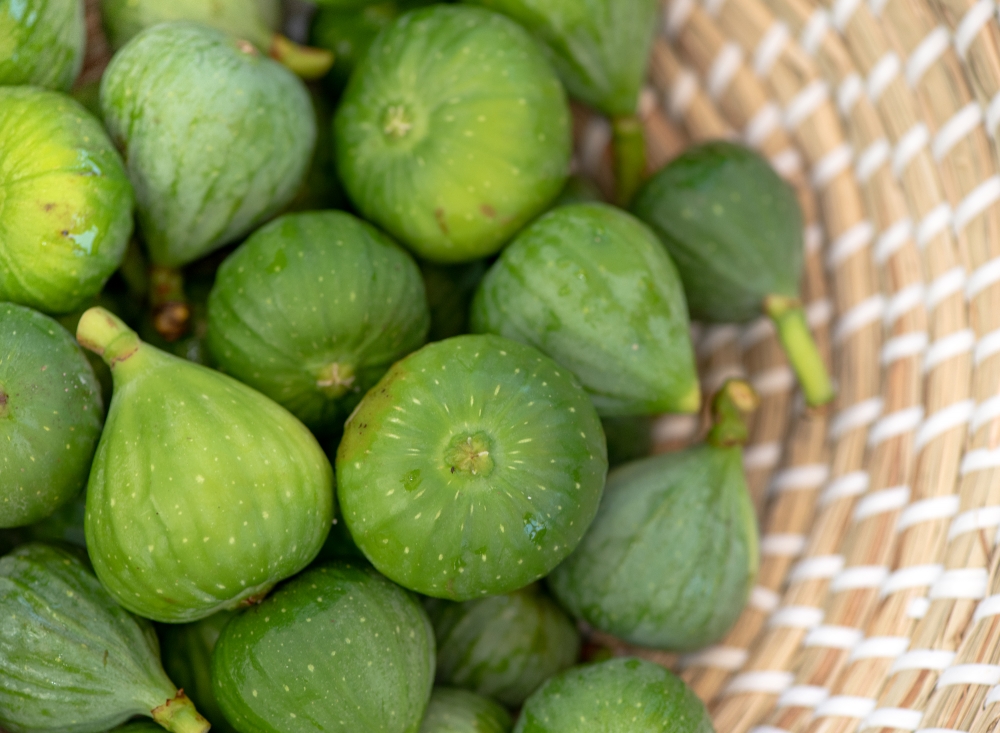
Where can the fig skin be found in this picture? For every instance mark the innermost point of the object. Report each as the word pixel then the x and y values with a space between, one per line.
pixel 313 309
pixel 217 138
pixel 51 414
pixel 453 133
pixel 67 211
pixel 203 493
pixel 337 647
pixel 460 711
pixel 41 43
pixel 472 468
pixel 71 659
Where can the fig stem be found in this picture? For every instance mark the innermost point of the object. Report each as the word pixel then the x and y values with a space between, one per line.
pixel 793 331
pixel 304 61
pixel 178 714
pixel 733 400
pixel 106 335
pixel 171 312
pixel 630 157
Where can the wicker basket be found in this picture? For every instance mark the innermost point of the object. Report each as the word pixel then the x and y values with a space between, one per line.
pixel 878 601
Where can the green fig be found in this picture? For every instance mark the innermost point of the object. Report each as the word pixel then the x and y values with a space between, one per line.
pixel 71 659
pixel 591 287
pixel 203 493
pixel 454 133
pixel 50 416
pixel 67 202
pixel 503 646
pixel 41 43
pixel 187 659
pixel 460 711
pixel 450 289
pixel 600 48
pixel 244 19
pixel 671 558
pixel 472 468
pixel 313 309
pixel 337 648
pixel 734 229
pixel 622 695
pixel 217 137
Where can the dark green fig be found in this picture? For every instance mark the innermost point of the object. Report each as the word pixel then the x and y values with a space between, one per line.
pixel 71 659
pixel 622 695
pixel 460 711
pixel 450 289
pixel 203 493
pixel 454 133
pixel 734 230
pixel 671 558
pixel 591 287
pixel 503 646
pixel 67 206
pixel 337 648
pixel 50 416
pixel 187 659
pixel 217 137
pixel 313 309
pixel 41 43
pixel 243 19
pixel 472 468
pixel 600 49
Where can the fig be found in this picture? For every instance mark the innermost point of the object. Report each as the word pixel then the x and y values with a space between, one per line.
pixel 313 309
pixel 734 229
pixel 671 558
pixel 217 138
pixel 41 43
pixel 600 48
pixel 250 20
pixel 460 711
pixel 472 468
pixel 453 133
pixel 187 659
pixel 71 659
pixel 203 493
pixel 67 209
pixel 502 646
pixel 50 416
pixel 591 287
pixel 337 647
pixel 622 695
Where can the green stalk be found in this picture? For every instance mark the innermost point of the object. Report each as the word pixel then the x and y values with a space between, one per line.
pixel 730 404
pixel 304 61
pixel 800 348
pixel 630 157
pixel 104 333
pixel 171 312
pixel 179 715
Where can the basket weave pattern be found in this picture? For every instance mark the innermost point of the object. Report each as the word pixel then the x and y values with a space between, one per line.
pixel 878 601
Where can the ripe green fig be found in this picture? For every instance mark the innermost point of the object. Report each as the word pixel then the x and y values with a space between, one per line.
pixel 600 48
pixel 250 20
pixel 734 230
pixel 313 309
pixel 203 493
pixel 460 711
pixel 67 202
pixel 454 133
pixel 187 659
pixel 503 646
pixel 591 287
pixel 671 558
pixel 71 659
pixel 338 647
pixel 217 137
pixel 41 43
pixel 472 468
pixel 50 416
pixel 622 695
